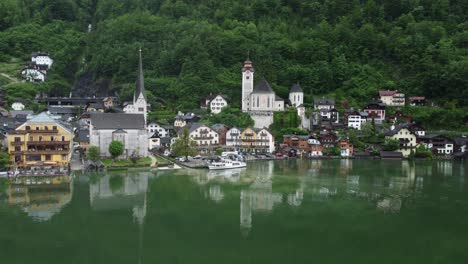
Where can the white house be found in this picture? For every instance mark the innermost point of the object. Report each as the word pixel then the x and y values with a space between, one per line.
pixel 357 119
pixel 324 104
pixel 154 141
pixel 203 135
pixel 154 127
pixel 130 129
pixel 392 98
pixel 405 136
pixel 17 106
pixel 42 58
pixel 265 140
pixel 139 105
pixel 233 138
pixel 33 74
pixel 217 104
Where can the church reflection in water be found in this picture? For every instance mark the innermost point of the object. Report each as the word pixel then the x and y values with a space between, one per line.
pixel 388 188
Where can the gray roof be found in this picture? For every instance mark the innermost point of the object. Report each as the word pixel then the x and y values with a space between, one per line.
pixel 398 128
pixel 296 88
pixel 140 85
pixel 55 109
pixel 21 112
pixel 118 120
pixel 277 98
pixel 83 135
pixel 263 87
pixel 324 101
pixel 165 140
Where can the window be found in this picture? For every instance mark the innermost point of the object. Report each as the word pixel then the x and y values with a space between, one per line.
pixel 64 157
pixel 141 109
pixel 28 127
pixel 17 139
pixel 51 138
pixel 48 157
pixel 40 138
pixel 17 148
pixel 46 128
pixel 37 128
pixel 63 138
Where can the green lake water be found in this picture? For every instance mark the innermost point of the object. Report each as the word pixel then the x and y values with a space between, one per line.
pixel 314 211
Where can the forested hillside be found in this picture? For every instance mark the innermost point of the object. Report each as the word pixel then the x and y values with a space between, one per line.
pixel 347 48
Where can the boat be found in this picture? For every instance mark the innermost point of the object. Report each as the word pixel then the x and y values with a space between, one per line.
pixel 228 160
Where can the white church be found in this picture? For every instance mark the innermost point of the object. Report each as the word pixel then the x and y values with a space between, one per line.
pixel 261 101
pixel 139 106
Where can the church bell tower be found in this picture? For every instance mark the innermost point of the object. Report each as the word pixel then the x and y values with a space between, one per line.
pixel 247 84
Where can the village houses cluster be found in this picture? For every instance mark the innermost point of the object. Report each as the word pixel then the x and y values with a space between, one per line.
pixel 47 138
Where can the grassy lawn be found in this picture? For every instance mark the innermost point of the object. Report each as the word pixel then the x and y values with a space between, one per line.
pixel 12 67
pixel 143 162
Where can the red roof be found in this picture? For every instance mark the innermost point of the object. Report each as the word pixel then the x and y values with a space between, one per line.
pixel 417 98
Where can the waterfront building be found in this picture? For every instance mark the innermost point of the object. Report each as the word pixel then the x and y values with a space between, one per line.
pixel 233 138
pixel 308 145
pixel 257 140
pixel 203 135
pixel 405 136
pixel 40 141
pixel 130 129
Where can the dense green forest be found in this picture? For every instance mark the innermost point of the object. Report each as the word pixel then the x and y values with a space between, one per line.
pixel 345 48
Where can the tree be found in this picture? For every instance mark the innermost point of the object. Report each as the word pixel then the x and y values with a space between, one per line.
pixel 184 145
pixel 116 149
pixel 391 144
pixel 93 153
pixel 4 160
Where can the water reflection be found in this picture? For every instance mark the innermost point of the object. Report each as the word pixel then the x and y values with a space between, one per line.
pixel 387 185
pixel 121 190
pixel 40 198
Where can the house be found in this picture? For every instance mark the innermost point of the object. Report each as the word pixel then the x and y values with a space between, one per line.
pixel 233 138
pixel 182 120
pixel 215 103
pixel 405 136
pixel 327 139
pixel 139 104
pixel 296 95
pixel 154 127
pixel 307 145
pixel 346 148
pixel 42 58
pixel 40 141
pixel 130 129
pixel 392 98
pixel 66 112
pixel 460 144
pixel 154 141
pixel 17 105
pixel 375 111
pixel 256 140
pixel 356 119
pixel 417 100
pixel 221 130
pixel 108 102
pixel 324 104
pixel 203 135
pixel 82 137
pixel 32 73
pixel 438 144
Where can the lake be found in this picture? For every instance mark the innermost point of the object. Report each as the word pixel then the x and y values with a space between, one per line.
pixel 311 211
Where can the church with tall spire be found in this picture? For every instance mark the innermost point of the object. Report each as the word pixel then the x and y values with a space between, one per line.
pixel 139 106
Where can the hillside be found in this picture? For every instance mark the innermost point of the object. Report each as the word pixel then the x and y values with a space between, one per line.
pixel 347 49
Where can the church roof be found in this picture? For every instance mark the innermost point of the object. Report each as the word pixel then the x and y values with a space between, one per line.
pixel 263 87
pixel 296 88
pixel 140 84
pixel 118 120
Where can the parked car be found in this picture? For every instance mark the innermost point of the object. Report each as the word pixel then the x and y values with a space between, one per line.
pixel 279 154
pixel 197 157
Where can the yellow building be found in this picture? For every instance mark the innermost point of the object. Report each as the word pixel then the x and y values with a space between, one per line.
pixel 41 141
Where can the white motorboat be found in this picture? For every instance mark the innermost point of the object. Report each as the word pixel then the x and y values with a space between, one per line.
pixel 224 164
pixel 228 160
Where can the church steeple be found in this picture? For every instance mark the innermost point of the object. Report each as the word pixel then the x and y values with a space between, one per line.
pixel 140 85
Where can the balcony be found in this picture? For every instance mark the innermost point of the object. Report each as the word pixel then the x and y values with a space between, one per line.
pixel 17 143
pixel 64 151
pixel 202 138
pixel 42 131
pixel 54 143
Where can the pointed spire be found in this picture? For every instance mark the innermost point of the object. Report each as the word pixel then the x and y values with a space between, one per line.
pixel 248 65
pixel 140 85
